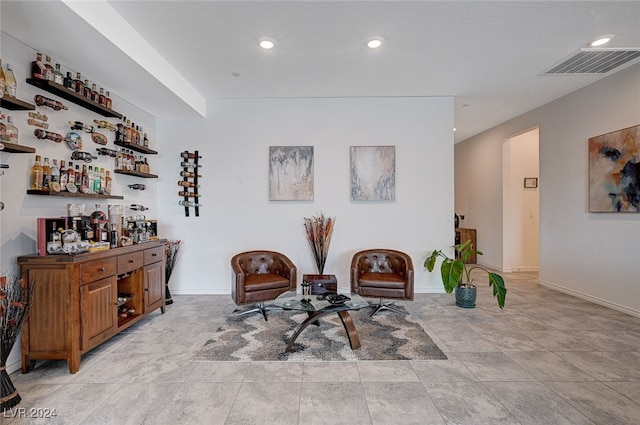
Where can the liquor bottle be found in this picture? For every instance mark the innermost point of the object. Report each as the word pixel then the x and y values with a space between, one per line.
pixel 107 183
pixel 79 84
pixel 84 177
pixel 10 83
pixel 2 81
pixel 12 131
pixel 108 101
pixel 69 82
pixel 36 174
pixel 101 98
pixel 95 96
pixel 55 172
pixel 78 175
pixel 50 70
pixel 58 77
pixel 64 177
pixel 113 235
pixel 54 233
pixel 137 186
pixel 189 194
pixel 90 179
pixel 145 141
pixel 71 174
pixel 187 184
pixel 38 69
pixel 138 207
pixel 3 130
pixel 189 155
pixel 127 132
pixel 97 180
pixel 189 204
pixel 46 174
pixel 86 92
pixel 45 101
pixel 189 174
pixel 186 164
pixel 103 181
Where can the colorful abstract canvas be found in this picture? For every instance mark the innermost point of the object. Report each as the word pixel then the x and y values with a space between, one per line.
pixel 291 173
pixel 614 171
pixel 373 173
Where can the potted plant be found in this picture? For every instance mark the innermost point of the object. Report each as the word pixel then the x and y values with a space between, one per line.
pixel 456 275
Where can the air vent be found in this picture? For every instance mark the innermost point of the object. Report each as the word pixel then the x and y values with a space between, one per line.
pixel 594 61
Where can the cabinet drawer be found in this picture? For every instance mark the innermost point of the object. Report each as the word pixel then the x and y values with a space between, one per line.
pixel 153 255
pixel 130 262
pixel 99 269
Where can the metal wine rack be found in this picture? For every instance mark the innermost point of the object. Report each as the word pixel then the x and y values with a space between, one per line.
pixel 189 183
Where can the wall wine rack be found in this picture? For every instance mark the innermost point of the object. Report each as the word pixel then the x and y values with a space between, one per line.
pixel 189 184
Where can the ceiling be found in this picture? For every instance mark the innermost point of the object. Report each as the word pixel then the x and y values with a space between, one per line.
pixel 488 55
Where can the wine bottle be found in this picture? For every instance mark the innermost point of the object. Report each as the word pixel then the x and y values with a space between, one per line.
pixel 38 69
pixel 10 83
pixel 189 155
pixel 45 101
pixel 188 174
pixel 137 186
pixel 106 151
pixel 43 134
pixel 189 204
pixel 58 77
pixel 187 184
pixel 186 164
pixel 138 207
pixel 36 174
pixel 78 125
pixel 189 194
pixel 105 124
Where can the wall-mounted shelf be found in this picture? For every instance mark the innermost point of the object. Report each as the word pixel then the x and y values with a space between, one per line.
pixel 137 148
pixel 14 104
pixel 136 174
pixel 73 97
pixel 13 148
pixel 72 195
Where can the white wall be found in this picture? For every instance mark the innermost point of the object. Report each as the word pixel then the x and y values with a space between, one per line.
pixel 589 255
pixel 18 219
pixel 237 215
pixel 521 204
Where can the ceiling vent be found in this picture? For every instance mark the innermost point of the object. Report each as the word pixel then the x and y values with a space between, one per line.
pixel 594 61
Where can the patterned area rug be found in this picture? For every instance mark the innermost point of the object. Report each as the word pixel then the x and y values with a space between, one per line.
pixel 386 336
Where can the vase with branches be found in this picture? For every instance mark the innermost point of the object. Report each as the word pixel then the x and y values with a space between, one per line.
pixel 15 297
pixel 172 254
pixel 319 230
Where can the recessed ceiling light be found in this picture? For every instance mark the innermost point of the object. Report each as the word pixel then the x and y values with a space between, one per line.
pixel 266 43
pixel 601 41
pixel 374 43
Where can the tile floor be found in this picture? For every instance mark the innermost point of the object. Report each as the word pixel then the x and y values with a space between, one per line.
pixel 546 359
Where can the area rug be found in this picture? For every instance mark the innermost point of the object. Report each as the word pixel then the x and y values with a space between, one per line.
pixel 386 336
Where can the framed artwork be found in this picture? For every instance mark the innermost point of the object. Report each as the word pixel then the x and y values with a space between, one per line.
pixel 530 182
pixel 614 171
pixel 373 173
pixel 291 173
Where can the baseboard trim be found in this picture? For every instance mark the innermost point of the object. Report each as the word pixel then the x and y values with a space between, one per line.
pixel 591 298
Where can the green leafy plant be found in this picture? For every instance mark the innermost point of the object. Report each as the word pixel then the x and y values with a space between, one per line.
pixel 454 270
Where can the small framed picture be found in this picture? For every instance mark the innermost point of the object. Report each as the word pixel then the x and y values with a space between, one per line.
pixel 531 182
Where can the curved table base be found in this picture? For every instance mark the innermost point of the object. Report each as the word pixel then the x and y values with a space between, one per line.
pixel 345 318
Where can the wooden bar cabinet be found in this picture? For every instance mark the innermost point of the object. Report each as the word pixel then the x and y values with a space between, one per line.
pixel 82 300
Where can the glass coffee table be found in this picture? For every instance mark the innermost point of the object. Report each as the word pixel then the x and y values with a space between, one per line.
pixel 317 307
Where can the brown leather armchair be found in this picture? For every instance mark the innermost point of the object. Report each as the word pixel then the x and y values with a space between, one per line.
pixel 260 276
pixel 382 273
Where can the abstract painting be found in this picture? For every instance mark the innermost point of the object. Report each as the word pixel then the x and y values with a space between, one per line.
pixel 614 171
pixel 291 173
pixel 373 173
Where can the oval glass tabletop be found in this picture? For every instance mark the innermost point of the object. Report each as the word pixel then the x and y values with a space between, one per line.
pixel 291 300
